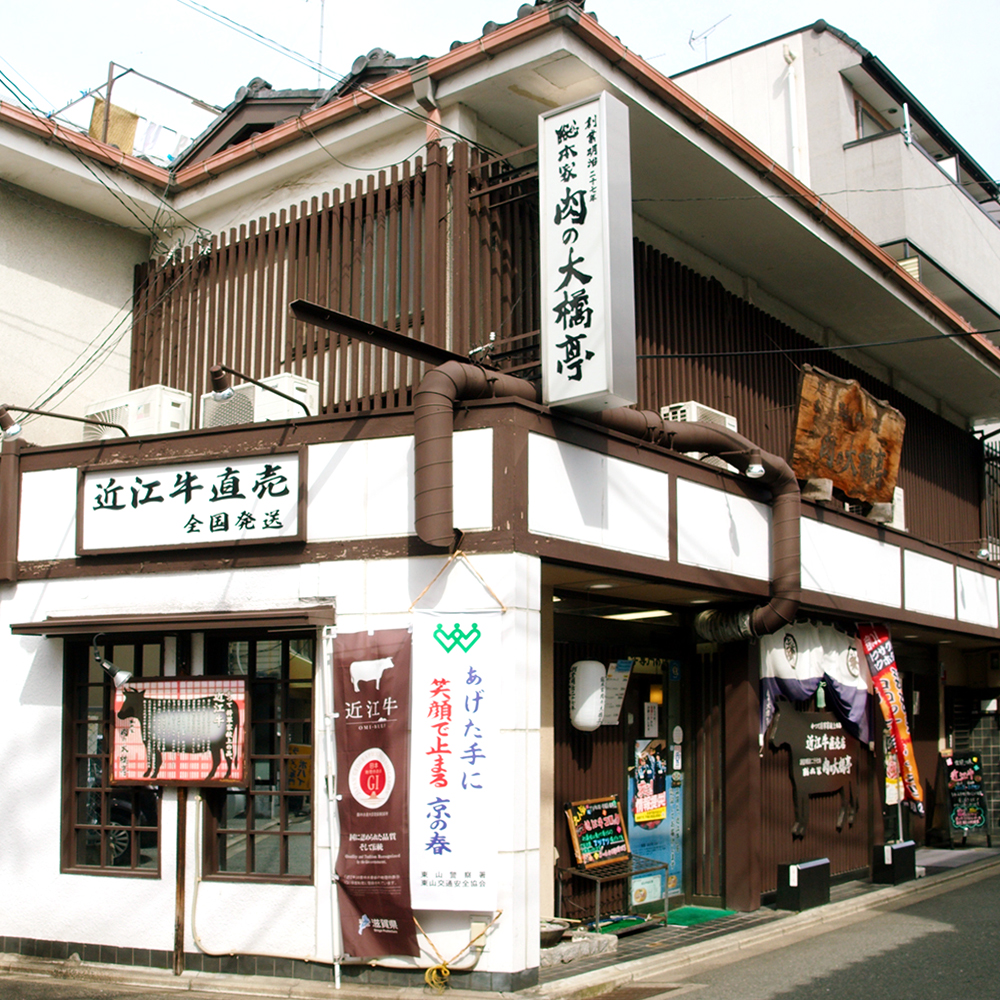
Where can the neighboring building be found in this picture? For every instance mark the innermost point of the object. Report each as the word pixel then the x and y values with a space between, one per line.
pixel 829 111
pixel 419 483
pixel 72 233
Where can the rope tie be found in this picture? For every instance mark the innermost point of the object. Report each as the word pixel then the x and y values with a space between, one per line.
pixel 436 977
pixel 458 554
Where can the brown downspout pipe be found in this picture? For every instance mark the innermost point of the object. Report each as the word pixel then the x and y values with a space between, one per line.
pixel 10 490
pixel 727 626
pixel 434 406
pixel 434 412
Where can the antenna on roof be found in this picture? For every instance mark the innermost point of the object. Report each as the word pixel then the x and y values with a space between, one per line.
pixel 319 60
pixel 704 35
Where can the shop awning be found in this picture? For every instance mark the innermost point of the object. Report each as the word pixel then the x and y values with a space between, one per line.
pixel 282 619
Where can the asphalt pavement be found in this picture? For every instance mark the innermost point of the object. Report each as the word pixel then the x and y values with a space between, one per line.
pixel 719 961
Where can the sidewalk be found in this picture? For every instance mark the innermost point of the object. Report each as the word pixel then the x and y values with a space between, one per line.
pixel 650 953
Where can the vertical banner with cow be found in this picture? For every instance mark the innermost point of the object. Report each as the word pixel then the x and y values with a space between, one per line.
pixel 180 731
pixel 372 697
pixel 882 663
pixel 454 779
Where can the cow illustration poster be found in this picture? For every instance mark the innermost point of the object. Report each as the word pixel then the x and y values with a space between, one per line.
pixel 372 698
pixel 180 731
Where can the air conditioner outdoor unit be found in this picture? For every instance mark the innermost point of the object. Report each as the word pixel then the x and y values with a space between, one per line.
pixel 154 409
pixel 692 411
pixel 250 404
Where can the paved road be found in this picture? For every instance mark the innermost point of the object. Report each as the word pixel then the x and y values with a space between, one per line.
pixel 945 947
pixel 941 946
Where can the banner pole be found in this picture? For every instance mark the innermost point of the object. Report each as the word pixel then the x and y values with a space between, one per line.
pixel 326 669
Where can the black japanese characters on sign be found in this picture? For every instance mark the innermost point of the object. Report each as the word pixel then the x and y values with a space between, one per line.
pixel 597 830
pixel 965 791
pixel 225 501
pixel 576 165
pixel 820 761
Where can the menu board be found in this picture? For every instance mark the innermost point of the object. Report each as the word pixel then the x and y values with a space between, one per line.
pixel 964 773
pixel 598 831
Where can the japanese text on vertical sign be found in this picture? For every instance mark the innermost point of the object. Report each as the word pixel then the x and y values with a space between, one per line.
pixel 576 163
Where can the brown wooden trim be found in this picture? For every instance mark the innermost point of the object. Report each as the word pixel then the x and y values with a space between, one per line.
pixel 10 505
pixel 200 621
pixel 742 881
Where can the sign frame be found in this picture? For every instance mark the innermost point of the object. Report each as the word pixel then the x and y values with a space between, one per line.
pixel 590 226
pixel 582 808
pixel 86 481
pixel 124 737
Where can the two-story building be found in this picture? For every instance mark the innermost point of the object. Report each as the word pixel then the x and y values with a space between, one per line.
pixel 310 561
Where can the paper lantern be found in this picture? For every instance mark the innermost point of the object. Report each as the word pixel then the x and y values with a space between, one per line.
pixel 586 694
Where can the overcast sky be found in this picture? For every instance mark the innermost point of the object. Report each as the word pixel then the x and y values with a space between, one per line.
pixel 55 49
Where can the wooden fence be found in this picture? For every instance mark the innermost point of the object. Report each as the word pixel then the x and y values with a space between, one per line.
pixel 442 252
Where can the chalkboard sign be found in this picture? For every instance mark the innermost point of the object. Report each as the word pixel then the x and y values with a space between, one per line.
pixel 598 831
pixel 965 790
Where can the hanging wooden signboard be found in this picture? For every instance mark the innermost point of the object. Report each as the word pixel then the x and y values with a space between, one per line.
pixel 847 436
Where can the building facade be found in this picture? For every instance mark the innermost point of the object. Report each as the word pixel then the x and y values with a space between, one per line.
pixel 413 490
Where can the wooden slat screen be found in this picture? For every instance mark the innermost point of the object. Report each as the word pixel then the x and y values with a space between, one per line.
pixel 446 251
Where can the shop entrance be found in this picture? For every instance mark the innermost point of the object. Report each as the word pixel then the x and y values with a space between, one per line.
pixel 653 752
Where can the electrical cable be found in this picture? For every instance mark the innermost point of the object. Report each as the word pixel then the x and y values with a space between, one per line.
pixel 319 68
pixel 818 347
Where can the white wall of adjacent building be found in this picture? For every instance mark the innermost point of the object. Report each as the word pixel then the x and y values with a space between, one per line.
pixel 65 305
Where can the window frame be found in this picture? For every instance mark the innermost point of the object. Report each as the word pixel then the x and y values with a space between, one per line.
pixel 271 721
pixel 81 675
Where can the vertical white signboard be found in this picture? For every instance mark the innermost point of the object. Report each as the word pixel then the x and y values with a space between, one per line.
pixel 454 743
pixel 587 283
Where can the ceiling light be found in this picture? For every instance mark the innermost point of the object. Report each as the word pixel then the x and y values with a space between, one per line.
pixel 635 616
pixel 600 586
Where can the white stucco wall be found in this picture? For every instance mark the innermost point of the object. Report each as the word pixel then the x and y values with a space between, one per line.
pixel 763 96
pixel 40 902
pixel 65 300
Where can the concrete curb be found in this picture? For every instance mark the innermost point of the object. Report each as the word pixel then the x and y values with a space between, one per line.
pixel 586 984
pixel 616 976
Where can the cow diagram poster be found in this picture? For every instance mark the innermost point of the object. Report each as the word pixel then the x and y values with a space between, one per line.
pixel 454 804
pixel 372 696
pixel 184 731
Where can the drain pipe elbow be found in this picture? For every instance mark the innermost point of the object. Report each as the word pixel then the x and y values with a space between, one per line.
pixel 729 626
pixel 434 410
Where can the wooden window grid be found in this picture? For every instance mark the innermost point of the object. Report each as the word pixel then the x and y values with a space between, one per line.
pixel 110 830
pixel 264 832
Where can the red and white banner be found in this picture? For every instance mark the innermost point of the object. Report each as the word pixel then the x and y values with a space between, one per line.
pixel 372 696
pixel 885 674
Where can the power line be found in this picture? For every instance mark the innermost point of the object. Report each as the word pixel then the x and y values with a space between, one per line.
pixel 304 60
pixel 818 347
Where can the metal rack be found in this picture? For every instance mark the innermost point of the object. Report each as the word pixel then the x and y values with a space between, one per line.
pixel 634 864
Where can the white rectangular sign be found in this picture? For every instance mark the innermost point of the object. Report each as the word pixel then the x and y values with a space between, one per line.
pixel 619 673
pixel 454 743
pixel 587 282
pixel 250 499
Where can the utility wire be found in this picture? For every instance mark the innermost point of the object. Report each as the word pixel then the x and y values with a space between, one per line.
pixel 325 71
pixel 818 347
